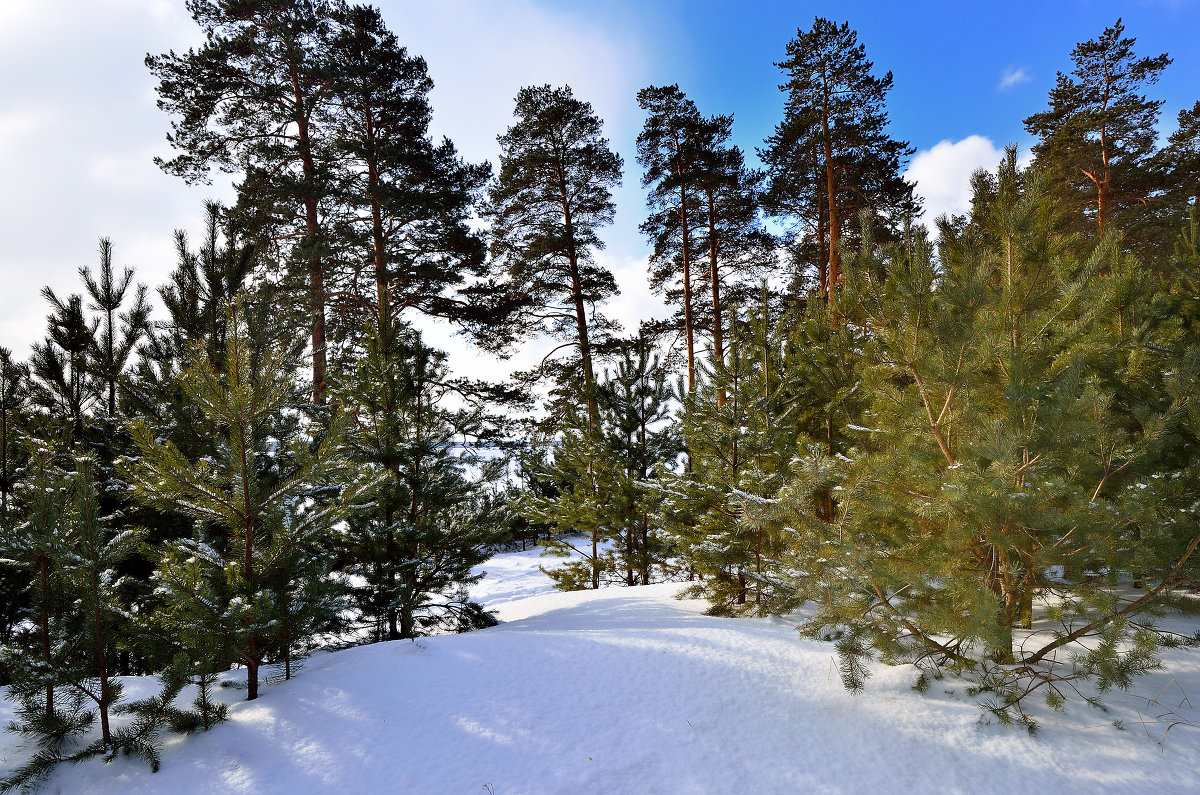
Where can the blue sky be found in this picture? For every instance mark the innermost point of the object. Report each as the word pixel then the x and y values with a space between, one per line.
pixel 947 58
pixel 78 124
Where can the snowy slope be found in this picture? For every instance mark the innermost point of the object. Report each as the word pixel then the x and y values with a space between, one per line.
pixel 628 690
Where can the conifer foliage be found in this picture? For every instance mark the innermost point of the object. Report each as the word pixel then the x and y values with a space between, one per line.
pixel 547 205
pixel 425 524
pixel 250 100
pixel 1009 459
pixel 259 502
pixel 1098 136
pixel 607 476
pixel 831 158
pixel 978 455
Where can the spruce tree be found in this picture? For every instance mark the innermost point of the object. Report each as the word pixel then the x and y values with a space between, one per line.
pixel 546 206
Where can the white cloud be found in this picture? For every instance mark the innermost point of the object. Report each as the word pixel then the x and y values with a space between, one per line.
pixel 942 174
pixel 481 54
pixel 1012 76
pixel 18 126
pixel 78 122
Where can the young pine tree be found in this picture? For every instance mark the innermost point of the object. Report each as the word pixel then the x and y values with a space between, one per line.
pixel 64 678
pixel 256 501
pixel 740 450
pixel 63 384
pixel 415 542
pixel 1008 461
pixel 14 406
pixel 605 478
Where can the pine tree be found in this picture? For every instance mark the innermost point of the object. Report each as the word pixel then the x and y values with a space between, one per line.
pixel 605 478
pixel 741 450
pixel 1009 459
pixel 94 553
pixel 415 543
pixel 252 500
pixel 1098 136
pixel 407 201
pixel 831 157
pixel 35 546
pixel 1178 164
pixel 590 485
pixel 196 298
pixel 65 680
pixel 546 206
pixel 636 404
pixel 738 247
pixel 14 405
pixel 670 147
pixel 250 100
pixel 115 342
pixel 61 364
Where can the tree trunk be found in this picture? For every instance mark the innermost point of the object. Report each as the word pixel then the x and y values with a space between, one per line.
pixel 585 347
pixel 101 664
pixel 251 679
pixel 715 278
pixel 287 633
pixel 45 615
pixel 408 624
pixel 688 325
pixel 595 560
pixel 645 548
pixel 835 256
pixel 316 269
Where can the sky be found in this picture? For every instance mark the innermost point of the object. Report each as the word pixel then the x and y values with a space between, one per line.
pixel 79 126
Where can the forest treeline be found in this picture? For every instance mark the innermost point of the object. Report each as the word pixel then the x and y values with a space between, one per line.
pixel 930 443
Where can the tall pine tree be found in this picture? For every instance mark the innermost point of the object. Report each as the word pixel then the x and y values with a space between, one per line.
pixel 831 157
pixel 547 205
pixel 1098 136
pixel 250 100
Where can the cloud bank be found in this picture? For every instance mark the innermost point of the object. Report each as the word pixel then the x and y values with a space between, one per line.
pixel 79 126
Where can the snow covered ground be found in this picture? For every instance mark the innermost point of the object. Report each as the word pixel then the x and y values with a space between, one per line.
pixel 629 690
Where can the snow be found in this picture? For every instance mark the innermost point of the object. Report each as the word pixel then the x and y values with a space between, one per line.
pixel 630 690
